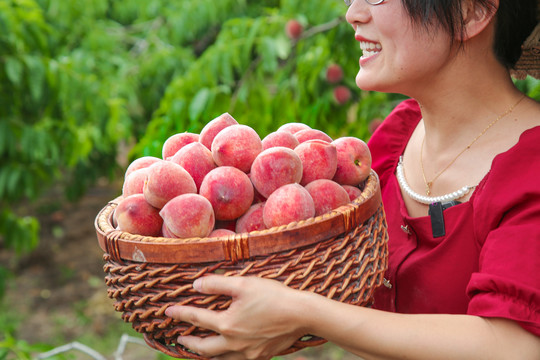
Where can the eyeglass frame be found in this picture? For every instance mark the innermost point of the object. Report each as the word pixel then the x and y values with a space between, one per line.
pixel 370 2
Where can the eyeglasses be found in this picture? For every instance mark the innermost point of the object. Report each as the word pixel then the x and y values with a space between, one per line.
pixel 370 2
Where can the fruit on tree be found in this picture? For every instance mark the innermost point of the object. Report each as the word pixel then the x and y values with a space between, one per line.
pixel 294 29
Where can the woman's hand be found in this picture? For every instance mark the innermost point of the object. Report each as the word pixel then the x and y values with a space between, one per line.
pixel 263 319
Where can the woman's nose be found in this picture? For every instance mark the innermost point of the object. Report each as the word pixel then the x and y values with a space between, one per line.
pixel 358 12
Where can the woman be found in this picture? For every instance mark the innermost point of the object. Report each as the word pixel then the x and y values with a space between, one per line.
pixel 464 268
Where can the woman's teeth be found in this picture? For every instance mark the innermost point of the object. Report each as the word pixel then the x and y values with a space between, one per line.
pixel 369 48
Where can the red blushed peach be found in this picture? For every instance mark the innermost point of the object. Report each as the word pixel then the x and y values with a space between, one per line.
pixel 221 233
pixel 188 216
pixel 176 142
pixel 353 191
pixel 134 183
pixel 319 160
pixel 354 161
pixel 252 220
pixel 327 195
pixel 166 180
pixel 289 203
pixel 279 138
pixel 196 159
pixel 213 127
pixel 274 168
pixel 229 190
pixel 165 232
pixel 134 215
pixel 139 163
pixel 236 145
pixel 312 134
pixel 293 127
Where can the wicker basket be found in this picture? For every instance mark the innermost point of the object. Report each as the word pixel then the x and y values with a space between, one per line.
pixel 341 255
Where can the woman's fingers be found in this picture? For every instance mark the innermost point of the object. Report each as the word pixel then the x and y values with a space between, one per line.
pixel 200 317
pixel 217 284
pixel 211 346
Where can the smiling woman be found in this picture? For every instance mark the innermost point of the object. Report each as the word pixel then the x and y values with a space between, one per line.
pixel 463 279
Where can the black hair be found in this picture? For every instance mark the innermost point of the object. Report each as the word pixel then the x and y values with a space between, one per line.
pixel 515 20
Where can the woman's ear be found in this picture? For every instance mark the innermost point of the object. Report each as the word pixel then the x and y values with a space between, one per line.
pixel 477 17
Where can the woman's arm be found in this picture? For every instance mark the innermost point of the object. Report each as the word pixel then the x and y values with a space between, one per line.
pixel 266 317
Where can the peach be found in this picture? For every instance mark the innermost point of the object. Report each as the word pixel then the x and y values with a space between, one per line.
pixel 327 195
pixel 274 168
pixel 165 232
pixel 196 159
pixel 252 220
pixel 294 29
pixel 188 215
pixel 312 134
pixel 134 215
pixel 293 127
pixel 134 182
pixel 342 94
pixel 319 160
pixel 139 163
pixel 229 190
pixel 334 73
pixel 213 127
pixel 353 191
pixel 354 161
pixel 279 138
pixel 289 203
pixel 166 180
pixel 176 142
pixel 221 233
pixel 236 145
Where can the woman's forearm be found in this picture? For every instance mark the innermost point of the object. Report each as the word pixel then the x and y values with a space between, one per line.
pixel 374 334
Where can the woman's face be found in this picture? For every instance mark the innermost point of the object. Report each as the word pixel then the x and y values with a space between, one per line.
pixel 397 56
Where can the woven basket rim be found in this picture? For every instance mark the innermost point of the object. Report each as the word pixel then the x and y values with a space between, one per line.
pixel 125 246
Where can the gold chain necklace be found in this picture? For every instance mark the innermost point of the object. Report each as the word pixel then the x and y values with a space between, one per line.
pixel 429 184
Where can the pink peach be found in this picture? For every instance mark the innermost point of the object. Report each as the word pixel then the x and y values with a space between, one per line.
pixel 275 167
pixel 319 160
pixel 280 138
pixel 134 182
pixel 229 190
pixel 166 180
pixel 134 215
pixel 213 127
pixel 353 161
pixel 312 134
pixel 176 142
pixel 188 215
pixel 236 145
pixel 252 220
pixel 196 159
pixel 327 195
pixel 353 191
pixel 293 127
pixel 139 163
pixel 289 203
pixel 221 233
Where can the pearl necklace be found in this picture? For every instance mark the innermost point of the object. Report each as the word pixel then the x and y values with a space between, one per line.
pixel 427 199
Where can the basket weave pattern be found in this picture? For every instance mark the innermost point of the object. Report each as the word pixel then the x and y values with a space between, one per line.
pixel 347 267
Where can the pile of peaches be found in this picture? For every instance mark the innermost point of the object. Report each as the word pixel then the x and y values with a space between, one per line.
pixel 228 180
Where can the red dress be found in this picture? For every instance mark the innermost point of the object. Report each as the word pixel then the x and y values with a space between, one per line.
pixel 488 263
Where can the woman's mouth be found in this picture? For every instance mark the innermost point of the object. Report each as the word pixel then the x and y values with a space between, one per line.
pixel 369 48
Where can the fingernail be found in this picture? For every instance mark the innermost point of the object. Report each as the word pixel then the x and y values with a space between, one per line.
pixel 197 284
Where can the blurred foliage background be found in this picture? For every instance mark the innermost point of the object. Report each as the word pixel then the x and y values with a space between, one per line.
pixel 85 87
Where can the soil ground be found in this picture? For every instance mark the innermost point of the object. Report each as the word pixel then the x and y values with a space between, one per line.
pixel 58 295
